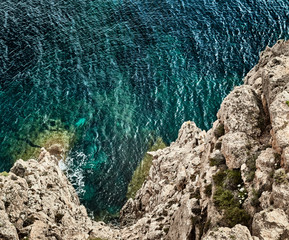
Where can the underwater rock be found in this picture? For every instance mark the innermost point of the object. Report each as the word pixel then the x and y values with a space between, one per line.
pixel 55 138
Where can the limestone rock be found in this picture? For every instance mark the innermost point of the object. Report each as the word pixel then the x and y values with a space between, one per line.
pixel 270 224
pixel 279 197
pixel 285 158
pixel 240 111
pixel 41 203
pixel 238 232
pixel 235 149
pixel 7 229
pixel 184 220
pixel 279 114
pixel 265 164
pixel 166 196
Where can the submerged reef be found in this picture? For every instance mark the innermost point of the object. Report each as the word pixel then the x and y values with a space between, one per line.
pixel 55 137
pixel 230 182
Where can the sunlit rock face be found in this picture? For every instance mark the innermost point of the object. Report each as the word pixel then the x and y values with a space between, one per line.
pixel 38 202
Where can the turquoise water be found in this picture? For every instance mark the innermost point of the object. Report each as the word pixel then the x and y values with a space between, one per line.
pixel 118 74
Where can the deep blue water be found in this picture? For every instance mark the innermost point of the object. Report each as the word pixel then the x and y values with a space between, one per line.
pixel 118 74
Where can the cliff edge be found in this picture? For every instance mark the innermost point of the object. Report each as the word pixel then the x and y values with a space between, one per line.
pixel 228 183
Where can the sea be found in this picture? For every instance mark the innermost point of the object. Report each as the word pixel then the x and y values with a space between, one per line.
pixel 118 74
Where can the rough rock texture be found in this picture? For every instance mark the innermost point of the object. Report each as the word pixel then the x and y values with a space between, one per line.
pixel 38 202
pixel 228 183
pixel 240 111
pixel 271 224
pixel 238 232
pixel 168 200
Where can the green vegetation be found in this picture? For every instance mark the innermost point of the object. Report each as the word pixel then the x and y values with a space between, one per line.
pixel 236 215
pixel 233 179
pixel 143 169
pixel 5 174
pixel 224 198
pixel 280 176
pixel 255 198
pixel 220 130
pixel 219 178
pixel 208 190
pixel 217 161
pixel 251 164
pixel 229 197
pixel 229 179
pixel 287 102
pixel 51 134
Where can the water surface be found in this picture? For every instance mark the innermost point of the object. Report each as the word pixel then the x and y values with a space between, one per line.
pixel 119 74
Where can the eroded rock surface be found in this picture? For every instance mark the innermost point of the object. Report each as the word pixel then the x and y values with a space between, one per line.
pixel 38 202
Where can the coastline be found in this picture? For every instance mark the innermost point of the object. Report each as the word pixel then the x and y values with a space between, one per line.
pixel 228 182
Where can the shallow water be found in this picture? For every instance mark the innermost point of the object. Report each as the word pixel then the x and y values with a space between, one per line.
pixel 118 74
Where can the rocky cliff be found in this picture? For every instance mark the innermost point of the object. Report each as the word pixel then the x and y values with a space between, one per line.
pixel 228 183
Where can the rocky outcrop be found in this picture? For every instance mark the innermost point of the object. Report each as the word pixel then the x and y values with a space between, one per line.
pixel 238 232
pixel 205 184
pixel 271 224
pixel 164 203
pixel 228 183
pixel 38 202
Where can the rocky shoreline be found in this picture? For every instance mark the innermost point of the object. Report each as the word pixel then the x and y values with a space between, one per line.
pixel 228 183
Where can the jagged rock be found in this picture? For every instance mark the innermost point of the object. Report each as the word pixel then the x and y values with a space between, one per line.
pixel 279 114
pixel 41 203
pixel 216 158
pixel 279 197
pixel 265 164
pixel 190 133
pixel 167 193
pixel 235 149
pixel 273 69
pixel 285 158
pixel 270 224
pixel 264 200
pixel 185 219
pixel 240 111
pixel 238 232
pixel 7 229
pixel 275 77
